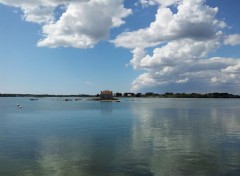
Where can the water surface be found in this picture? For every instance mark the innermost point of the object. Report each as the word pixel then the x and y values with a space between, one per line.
pixel 144 137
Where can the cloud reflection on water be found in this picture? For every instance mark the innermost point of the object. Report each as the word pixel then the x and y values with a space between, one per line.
pixel 179 137
pixel 143 137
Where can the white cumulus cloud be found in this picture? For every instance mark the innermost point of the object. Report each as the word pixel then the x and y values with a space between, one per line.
pixel 232 69
pixel 144 80
pixel 81 25
pixel 182 80
pixel 184 61
pixel 181 42
pixel 233 40
pixel 164 3
pixel 193 20
pixel 84 24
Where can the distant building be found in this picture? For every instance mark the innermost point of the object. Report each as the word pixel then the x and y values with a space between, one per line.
pixel 106 94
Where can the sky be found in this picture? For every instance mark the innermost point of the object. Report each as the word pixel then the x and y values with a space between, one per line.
pixel 85 46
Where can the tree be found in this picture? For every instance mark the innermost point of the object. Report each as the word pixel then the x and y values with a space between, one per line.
pixel 118 94
pixel 138 94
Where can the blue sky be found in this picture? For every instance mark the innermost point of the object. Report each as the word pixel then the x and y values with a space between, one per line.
pixel 75 47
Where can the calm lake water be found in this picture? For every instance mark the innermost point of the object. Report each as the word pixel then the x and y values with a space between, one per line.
pixel 144 137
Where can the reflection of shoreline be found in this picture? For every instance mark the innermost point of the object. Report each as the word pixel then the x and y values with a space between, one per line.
pixel 106 108
pixel 105 100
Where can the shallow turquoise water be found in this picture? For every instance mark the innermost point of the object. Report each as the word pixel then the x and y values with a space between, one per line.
pixel 144 137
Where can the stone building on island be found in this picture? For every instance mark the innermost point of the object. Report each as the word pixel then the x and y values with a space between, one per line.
pixel 106 94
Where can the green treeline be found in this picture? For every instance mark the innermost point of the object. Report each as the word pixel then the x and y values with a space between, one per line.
pixel 179 95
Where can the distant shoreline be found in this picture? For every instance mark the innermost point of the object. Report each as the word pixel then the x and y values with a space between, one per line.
pixel 43 95
pixel 132 95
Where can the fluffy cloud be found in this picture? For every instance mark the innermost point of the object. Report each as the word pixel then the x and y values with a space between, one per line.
pixel 84 24
pixel 144 80
pixel 193 20
pixel 81 25
pixel 181 44
pixel 232 69
pixel 174 53
pixel 202 75
pixel 232 40
pixel 38 11
pixel 183 80
pixel 184 62
pixel 164 3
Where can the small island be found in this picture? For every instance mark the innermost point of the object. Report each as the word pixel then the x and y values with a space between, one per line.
pixel 106 95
